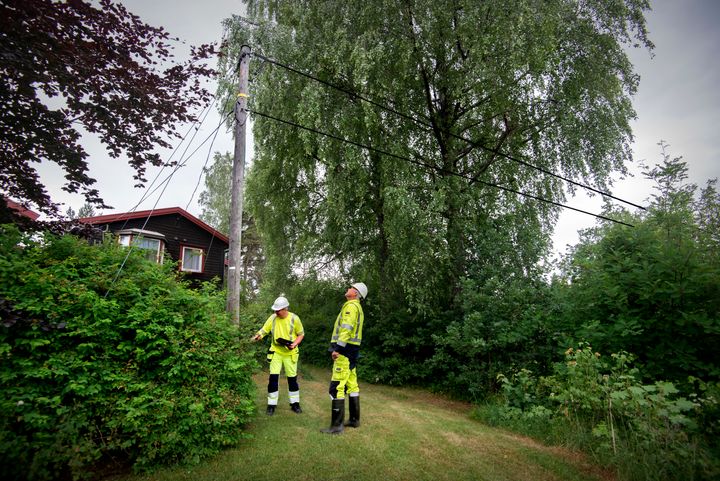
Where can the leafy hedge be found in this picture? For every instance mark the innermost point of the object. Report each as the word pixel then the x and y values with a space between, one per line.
pixel 96 370
pixel 600 404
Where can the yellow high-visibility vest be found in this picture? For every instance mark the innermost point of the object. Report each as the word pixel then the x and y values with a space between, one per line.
pixel 289 328
pixel 349 324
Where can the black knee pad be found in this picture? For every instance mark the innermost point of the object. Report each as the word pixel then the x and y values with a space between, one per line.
pixel 293 384
pixel 273 382
pixel 333 389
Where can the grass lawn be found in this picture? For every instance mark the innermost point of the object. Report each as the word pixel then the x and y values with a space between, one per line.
pixel 406 434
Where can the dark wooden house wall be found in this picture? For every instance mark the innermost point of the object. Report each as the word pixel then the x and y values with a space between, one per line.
pixel 179 231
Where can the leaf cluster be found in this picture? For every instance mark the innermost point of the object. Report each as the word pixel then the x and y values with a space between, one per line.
pixel 99 373
pixel 71 68
pixel 653 290
pixel 648 430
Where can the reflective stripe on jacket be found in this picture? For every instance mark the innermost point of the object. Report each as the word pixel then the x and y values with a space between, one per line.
pixel 289 328
pixel 348 325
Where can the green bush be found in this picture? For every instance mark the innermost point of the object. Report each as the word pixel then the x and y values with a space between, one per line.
pixel 598 403
pixel 653 290
pixel 504 326
pixel 100 368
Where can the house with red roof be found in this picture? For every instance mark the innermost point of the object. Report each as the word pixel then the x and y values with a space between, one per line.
pixel 199 249
pixel 20 209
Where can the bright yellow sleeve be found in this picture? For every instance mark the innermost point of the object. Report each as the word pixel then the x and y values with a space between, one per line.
pixel 348 321
pixel 266 328
pixel 299 330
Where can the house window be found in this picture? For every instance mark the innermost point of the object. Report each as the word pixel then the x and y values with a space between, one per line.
pixel 192 259
pixel 151 248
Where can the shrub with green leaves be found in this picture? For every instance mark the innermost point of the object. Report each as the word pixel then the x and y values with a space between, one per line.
pixel 99 368
pixel 504 326
pixel 654 289
pixel 650 431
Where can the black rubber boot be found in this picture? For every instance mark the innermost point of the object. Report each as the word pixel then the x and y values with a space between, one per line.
pixel 354 405
pixel 338 415
pixel 270 410
pixel 296 408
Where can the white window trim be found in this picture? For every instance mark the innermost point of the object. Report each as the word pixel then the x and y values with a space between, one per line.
pixel 182 259
pixel 159 253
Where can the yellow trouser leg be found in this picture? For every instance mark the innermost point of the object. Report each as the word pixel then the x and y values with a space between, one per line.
pixel 340 376
pixel 353 389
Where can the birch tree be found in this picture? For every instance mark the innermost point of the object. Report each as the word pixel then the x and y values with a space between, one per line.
pixel 548 83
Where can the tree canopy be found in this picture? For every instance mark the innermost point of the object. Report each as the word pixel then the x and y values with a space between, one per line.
pixel 463 95
pixel 74 67
pixel 653 290
pixel 549 82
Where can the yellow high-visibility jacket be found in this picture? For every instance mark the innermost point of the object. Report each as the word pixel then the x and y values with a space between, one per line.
pixel 347 333
pixel 289 328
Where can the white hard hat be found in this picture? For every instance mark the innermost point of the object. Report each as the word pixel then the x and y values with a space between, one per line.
pixel 280 303
pixel 361 288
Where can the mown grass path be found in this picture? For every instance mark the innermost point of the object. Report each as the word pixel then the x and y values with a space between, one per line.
pixel 406 434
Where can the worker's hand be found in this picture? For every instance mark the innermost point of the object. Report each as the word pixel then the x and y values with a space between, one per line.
pixel 292 346
pixel 335 355
pixel 256 337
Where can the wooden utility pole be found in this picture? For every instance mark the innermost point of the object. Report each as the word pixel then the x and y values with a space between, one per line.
pixel 238 179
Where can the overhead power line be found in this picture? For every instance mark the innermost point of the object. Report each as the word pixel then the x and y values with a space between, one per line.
pixel 164 184
pixel 202 171
pixel 194 126
pixel 183 162
pixel 428 166
pixel 354 94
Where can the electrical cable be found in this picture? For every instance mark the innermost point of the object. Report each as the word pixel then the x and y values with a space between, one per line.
pixel 166 182
pixel 459 137
pixel 182 163
pixel 147 193
pixel 439 169
pixel 212 235
pixel 207 159
pixel 205 110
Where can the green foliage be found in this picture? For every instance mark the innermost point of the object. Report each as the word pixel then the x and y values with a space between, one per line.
pixel 544 81
pixel 505 326
pixel 87 210
pixel 143 370
pixel 653 290
pixel 215 203
pixel 649 431
pixel 215 199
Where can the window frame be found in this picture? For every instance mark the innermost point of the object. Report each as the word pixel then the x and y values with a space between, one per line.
pixel 132 236
pixel 203 258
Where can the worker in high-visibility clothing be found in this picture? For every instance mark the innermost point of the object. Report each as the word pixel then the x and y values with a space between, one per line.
pixel 287 333
pixel 345 348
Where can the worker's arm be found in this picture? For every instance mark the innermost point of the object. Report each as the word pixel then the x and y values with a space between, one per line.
pixel 346 327
pixel 264 330
pixel 296 342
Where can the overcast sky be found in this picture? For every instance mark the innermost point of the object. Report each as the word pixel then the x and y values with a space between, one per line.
pixel 678 101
